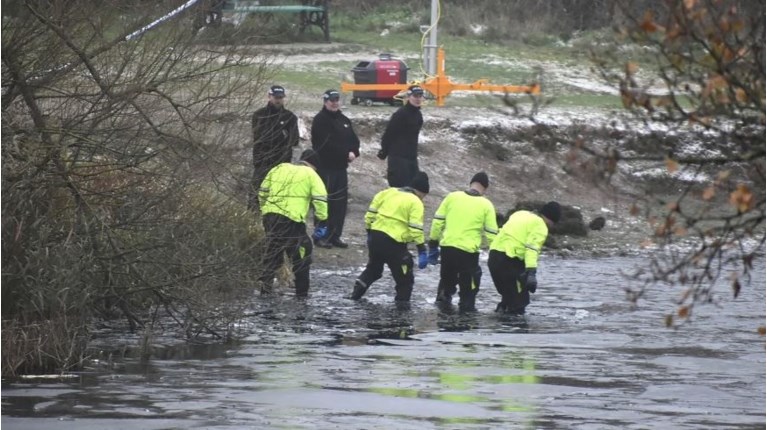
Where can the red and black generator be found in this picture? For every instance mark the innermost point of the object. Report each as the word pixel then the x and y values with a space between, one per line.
pixel 385 70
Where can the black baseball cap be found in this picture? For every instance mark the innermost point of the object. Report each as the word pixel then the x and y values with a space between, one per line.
pixel 277 91
pixel 414 90
pixel 331 95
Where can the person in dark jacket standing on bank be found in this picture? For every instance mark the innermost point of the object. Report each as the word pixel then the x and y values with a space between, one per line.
pixel 275 133
pixel 400 140
pixel 337 144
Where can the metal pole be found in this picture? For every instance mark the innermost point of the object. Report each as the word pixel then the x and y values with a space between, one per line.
pixel 433 38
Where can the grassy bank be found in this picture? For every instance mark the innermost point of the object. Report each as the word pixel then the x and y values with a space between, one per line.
pixel 537 57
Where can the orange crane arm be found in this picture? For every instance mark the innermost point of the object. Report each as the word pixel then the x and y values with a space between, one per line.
pixel 347 86
pixel 482 85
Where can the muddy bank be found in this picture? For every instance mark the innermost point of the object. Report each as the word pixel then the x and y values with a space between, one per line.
pixel 523 161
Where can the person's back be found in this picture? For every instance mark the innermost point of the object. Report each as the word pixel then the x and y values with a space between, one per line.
pixel 513 257
pixel 288 189
pixel 285 195
pixel 398 212
pixel 461 220
pixel 401 135
pixel 457 228
pixel 522 237
pixel 394 219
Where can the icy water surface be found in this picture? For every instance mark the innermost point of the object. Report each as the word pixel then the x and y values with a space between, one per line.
pixel 580 359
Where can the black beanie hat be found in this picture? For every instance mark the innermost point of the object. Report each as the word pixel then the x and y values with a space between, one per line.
pixel 552 211
pixel 311 157
pixel 481 178
pixel 420 182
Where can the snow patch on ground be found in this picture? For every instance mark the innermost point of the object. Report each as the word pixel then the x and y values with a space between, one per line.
pixel 478 29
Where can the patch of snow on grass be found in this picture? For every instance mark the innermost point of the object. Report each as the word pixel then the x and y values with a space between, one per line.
pixel 589 84
pixel 478 29
pixel 682 175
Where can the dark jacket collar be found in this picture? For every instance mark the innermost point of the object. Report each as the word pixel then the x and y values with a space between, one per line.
pixel 331 113
pixel 411 107
pixel 274 109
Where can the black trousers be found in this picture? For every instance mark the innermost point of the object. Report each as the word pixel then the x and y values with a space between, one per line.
pixel 337 185
pixel 461 268
pixel 506 273
pixel 400 171
pixel 285 235
pixel 385 250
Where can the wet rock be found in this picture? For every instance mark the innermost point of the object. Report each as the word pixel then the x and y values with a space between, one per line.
pixel 571 223
pixel 597 223
pixel 500 219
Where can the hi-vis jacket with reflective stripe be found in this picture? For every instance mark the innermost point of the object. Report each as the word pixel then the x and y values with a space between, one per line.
pixel 398 212
pixel 461 219
pixel 289 188
pixel 522 237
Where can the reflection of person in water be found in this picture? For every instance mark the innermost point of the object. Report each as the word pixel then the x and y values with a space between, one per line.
pixel 449 320
pixel 467 376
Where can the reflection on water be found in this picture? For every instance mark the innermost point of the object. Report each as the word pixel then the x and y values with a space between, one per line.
pixel 579 359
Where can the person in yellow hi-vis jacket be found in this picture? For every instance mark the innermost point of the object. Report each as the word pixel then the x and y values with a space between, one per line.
pixel 513 259
pixel 394 219
pixel 457 227
pixel 284 197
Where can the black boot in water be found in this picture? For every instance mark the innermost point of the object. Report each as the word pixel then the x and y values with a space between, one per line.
pixel 443 297
pixel 467 304
pixel 359 290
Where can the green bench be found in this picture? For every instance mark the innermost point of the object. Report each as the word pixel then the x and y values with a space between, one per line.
pixel 312 12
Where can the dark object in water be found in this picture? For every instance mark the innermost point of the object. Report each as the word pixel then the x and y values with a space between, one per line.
pixel 597 223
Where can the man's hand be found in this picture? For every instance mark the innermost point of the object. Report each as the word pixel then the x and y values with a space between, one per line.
pixel 530 282
pixel 351 157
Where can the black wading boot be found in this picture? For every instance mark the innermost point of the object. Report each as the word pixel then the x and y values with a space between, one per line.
pixel 443 298
pixel 403 293
pixel 359 290
pixel 467 303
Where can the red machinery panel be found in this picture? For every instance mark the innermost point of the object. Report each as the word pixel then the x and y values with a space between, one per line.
pixel 389 72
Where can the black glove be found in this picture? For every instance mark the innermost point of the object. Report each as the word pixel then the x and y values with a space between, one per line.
pixel 381 154
pixel 530 282
pixel 369 238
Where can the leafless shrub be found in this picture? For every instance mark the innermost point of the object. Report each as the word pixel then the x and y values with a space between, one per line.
pixel 699 77
pixel 121 173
